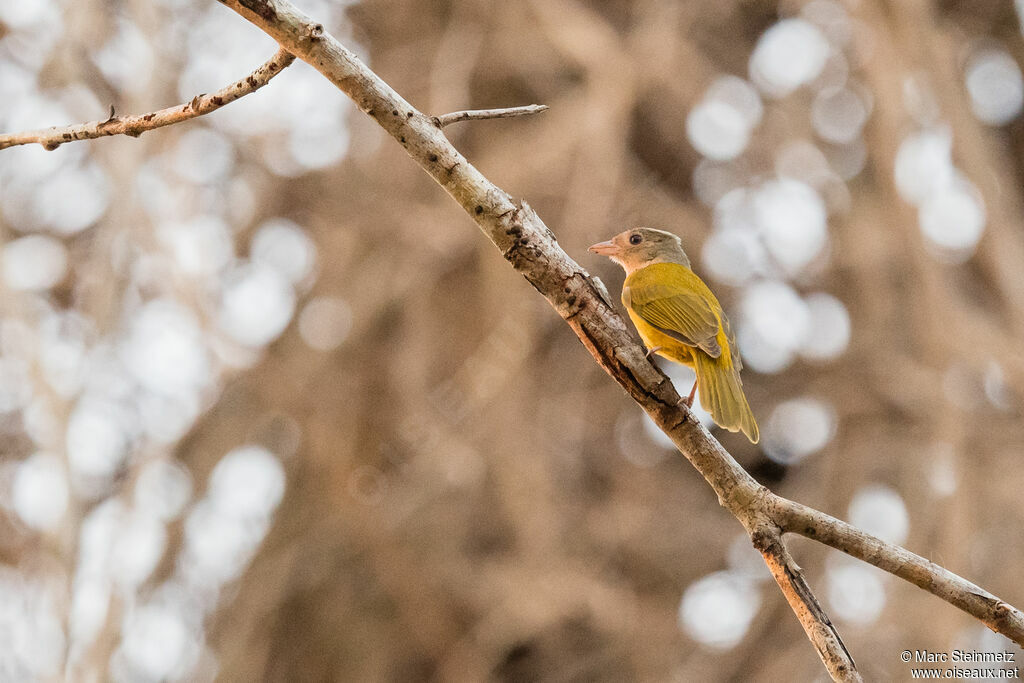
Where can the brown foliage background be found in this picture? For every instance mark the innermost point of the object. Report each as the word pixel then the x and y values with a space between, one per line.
pixel 460 506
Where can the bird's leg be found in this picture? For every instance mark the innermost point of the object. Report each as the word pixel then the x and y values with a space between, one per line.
pixel 689 399
pixel 651 352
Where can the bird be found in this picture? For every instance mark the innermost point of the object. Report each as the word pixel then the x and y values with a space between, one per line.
pixel 679 318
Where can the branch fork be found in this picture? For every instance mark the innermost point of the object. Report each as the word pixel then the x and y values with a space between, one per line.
pixel 583 302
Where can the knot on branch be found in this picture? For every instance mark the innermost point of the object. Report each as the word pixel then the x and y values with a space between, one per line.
pixel 575 300
pixel 516 253
pixel 1003 612
pixel 261 8
pixel 314 32
pixel 764 537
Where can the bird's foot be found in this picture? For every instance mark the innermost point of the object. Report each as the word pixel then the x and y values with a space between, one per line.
pixel 651 352
pixel 688 401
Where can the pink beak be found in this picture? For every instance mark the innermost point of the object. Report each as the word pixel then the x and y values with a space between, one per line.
pixel 608 248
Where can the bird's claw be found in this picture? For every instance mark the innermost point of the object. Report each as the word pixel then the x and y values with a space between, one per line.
pixel 651 352
pixel 688 401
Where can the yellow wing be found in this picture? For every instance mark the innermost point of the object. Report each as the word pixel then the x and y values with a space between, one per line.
pixel 671 298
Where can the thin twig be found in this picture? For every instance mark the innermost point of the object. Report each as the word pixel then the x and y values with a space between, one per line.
pixel 52 138
pixel 481 114
pixel 790 577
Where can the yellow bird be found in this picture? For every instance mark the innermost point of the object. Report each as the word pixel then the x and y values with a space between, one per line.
pixel 679 318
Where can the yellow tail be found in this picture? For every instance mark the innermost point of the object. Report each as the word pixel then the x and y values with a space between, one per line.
pixel 721 394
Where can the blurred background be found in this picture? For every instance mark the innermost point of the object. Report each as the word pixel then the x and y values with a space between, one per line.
pixel 271 408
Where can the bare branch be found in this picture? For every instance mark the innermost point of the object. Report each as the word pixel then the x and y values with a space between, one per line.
pixel 523 239
pixel 481 114
pixel 998 615
pixel 54 137
pixel 521 236
pixel 817 625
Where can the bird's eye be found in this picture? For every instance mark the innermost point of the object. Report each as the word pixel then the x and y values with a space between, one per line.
pixel 635 239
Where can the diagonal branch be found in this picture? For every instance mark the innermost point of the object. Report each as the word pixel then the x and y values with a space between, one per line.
pixel 481 114
pixel 523 239
pixel 521 236
pixel 136 125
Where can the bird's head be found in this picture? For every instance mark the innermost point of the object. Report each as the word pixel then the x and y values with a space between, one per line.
pixel 639 247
